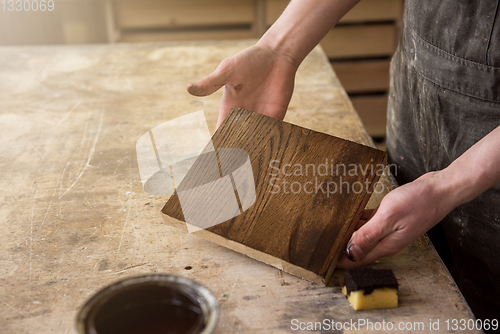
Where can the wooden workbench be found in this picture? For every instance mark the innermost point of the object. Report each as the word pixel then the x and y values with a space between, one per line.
pixel 74 216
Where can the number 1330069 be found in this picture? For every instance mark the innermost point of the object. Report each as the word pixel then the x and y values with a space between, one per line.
pixel 26 5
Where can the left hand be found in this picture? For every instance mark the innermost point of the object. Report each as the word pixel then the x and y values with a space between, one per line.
pixel 404 215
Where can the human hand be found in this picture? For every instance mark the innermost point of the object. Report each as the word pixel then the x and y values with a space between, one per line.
pixel 404 215
pixel 257 79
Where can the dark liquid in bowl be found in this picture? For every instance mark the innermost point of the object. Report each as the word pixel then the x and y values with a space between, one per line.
pixel 158 318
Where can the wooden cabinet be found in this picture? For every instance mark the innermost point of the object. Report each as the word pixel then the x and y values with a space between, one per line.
pixel 174 20
pixel 359 47
pixel 362 45
pixel 366 10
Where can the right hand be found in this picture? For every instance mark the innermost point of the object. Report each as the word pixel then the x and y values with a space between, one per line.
pixel 404 215
pixel 256 79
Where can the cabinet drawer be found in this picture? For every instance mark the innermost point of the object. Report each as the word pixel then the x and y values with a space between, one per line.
pixel 365 11
pixel 134 14
pixel 363 76
pixel 373 112
pixel 359 41
pixel 375 10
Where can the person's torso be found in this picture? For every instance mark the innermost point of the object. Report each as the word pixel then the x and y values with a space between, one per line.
pixel 456 44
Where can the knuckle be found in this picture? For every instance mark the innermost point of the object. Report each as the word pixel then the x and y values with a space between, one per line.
pixel 369 239
pixel 225 64
pixel 385 215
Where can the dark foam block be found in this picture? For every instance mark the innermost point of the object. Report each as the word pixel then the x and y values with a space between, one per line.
pixel 371 288
pixel 369 279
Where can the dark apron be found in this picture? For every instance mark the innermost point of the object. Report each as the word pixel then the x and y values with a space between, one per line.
pixel 445 96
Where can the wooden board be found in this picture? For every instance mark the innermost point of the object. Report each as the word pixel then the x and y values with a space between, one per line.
pixel 363 76
pixel 305 228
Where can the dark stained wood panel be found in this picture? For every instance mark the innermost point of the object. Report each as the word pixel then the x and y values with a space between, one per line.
pixel 302 229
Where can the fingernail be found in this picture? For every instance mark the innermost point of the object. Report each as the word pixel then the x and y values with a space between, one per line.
pixel 348 250
pixel 352 249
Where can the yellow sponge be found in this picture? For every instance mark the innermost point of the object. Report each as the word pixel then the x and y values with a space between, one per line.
pixel 369 289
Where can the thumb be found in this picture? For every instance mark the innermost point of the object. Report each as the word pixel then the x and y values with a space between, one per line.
pixel 208 85
pixel 364 240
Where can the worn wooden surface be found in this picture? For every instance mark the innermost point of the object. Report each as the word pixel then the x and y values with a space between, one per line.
pixel 308 197
pixel 74 216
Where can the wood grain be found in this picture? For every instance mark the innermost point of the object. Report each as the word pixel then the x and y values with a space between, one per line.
pixel 307 225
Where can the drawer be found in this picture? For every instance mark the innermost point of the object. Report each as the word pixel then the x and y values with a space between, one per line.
pixel 363 76
pixel 373 112
pixel 365 11
pixel 359 41
pixel 375 10
pixel 136 14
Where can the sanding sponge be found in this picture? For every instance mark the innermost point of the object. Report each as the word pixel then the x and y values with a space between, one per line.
pixel 369 289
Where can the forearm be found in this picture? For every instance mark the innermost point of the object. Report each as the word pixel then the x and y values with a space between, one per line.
pixel 475 171
pixel 302 26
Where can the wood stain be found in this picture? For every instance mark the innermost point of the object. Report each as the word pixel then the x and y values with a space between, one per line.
pixel 154 318
pixel 150 304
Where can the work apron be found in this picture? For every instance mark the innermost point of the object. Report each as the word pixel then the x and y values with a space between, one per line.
pixel 444 97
